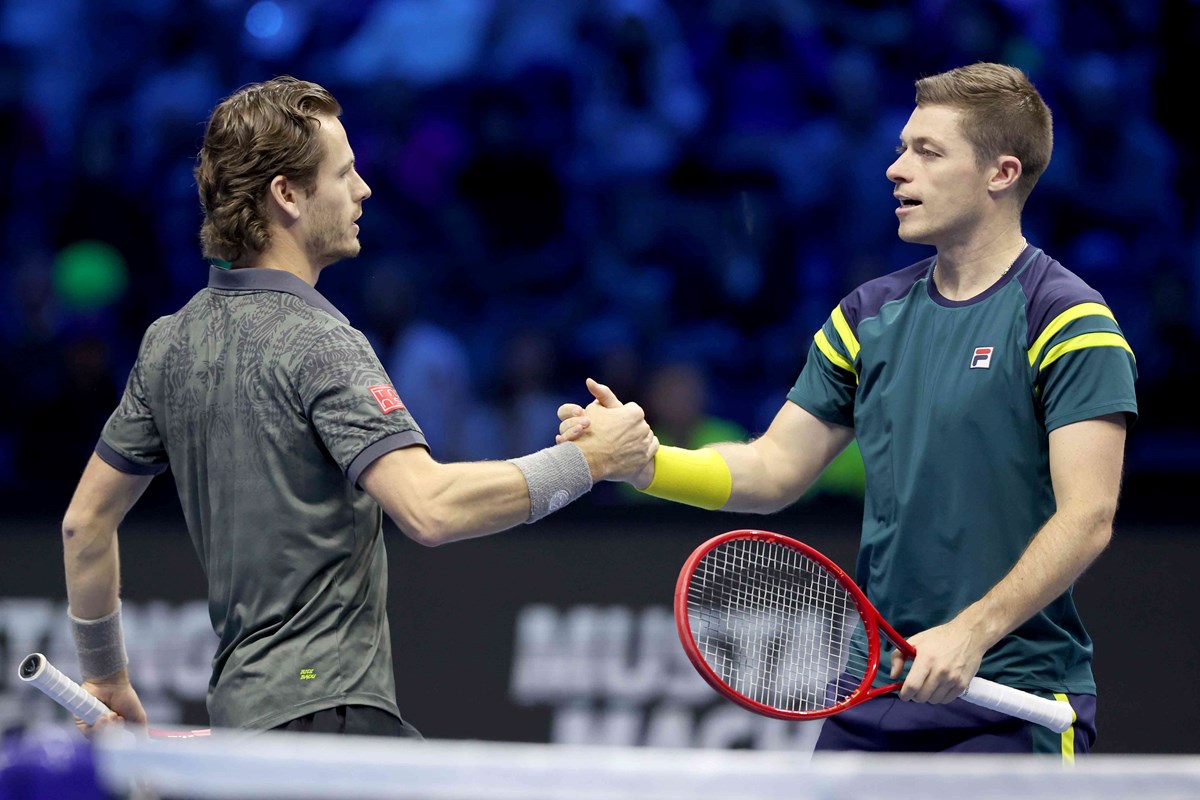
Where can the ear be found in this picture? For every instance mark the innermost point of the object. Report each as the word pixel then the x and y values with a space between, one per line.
pixel 1005 172
pixel 284 195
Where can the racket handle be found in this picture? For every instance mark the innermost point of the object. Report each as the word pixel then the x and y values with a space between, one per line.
pixel 37 670
pixel 1055 715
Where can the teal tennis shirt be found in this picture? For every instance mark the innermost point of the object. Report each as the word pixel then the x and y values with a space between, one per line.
pixel 952 404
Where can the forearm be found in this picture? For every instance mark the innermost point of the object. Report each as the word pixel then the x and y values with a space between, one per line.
pixel 92 565
pixel 467 500
pixel 1054 559
pixel 774 470
pixel 435 504
pixel 89 535
pixel 760 484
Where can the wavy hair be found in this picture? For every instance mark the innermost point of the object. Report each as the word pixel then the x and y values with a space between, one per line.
pixel 1003 114
pixel 260 131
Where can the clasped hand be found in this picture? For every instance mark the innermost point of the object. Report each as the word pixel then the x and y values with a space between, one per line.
pixel 614 436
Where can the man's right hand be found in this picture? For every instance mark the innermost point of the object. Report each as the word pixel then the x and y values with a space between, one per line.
pixel 117 693
pixel 613 436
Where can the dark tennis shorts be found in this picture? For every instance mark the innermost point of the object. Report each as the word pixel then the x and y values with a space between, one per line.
pixel 354 720
pixel 889 724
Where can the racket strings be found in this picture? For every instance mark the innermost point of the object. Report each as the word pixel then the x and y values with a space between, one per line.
pixel 776 626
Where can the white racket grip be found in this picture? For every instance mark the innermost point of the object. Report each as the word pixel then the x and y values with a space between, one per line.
pixel 1055 715
pixel 36 669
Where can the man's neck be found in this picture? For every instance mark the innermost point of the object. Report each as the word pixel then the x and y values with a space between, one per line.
pixel 284 255
pixel 961 273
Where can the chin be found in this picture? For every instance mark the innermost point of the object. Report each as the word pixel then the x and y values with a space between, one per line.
pixel 915 237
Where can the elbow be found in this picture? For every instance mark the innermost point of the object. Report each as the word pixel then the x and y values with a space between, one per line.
pixel 426 527
pixel 1102 536
pixel 1100 529
pixel 427 536
pixel 781 496
pixel 768 507
pixel 78 532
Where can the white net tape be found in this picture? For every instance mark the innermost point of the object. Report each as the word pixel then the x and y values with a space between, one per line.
pixel 300 766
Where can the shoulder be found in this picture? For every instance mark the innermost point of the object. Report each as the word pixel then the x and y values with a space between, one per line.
pixel 1052 291
pixel 866 301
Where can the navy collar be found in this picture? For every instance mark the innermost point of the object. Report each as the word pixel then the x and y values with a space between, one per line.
pixel 264 279
pixel 1018 265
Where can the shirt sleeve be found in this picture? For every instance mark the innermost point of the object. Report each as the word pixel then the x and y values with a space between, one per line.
pixel 130 441
pixel 352 404
pixel 1085 368
pixel 828 383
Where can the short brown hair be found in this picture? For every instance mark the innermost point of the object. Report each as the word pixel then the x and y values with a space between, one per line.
pixel 1003 114
pixel 260 131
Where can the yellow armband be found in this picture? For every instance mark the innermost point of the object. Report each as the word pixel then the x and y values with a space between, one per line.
pixel 696 477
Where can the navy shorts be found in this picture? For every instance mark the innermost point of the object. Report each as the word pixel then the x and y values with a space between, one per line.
pixel 889 724
pixel 353 720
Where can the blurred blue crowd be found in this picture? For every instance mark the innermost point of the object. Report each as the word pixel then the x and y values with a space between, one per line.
pixel 669 196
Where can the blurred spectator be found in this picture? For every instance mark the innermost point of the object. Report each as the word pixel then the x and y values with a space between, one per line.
pixel 679 408
pixel 419 41
pixel 638 98
pixel 519 414
pixel 607 184
pixel 427 362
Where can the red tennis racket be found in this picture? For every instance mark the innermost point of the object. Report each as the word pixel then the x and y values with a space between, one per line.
pixel 37 670
pixel 778 628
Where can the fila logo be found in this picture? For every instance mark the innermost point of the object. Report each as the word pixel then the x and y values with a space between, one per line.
pixel 387 398
pixel 982 358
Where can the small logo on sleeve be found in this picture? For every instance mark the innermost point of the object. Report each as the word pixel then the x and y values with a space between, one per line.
pixel 982 358
pixel 387 398
pixel 308 674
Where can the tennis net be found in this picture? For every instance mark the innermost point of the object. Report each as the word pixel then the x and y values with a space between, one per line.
pixel 302 766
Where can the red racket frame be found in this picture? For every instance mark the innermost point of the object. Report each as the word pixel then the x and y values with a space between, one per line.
pixel 873 624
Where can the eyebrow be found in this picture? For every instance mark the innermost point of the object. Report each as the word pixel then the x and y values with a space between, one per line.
pixel 922 140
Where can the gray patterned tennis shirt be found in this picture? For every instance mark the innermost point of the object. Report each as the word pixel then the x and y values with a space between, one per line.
pixel 268 405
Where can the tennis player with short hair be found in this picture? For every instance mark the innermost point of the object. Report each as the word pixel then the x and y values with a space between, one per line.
pixel 286 436
pixel 989 389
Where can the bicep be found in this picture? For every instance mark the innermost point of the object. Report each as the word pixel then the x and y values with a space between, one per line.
pixel 1086 460
pixel 774 470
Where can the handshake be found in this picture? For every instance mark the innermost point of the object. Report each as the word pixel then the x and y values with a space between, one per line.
pixel 614 436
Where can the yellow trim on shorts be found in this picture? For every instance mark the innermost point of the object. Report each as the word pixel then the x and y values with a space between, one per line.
pixel 1058 323
pixel 1068 737
pixel 1083 341
pixel 696 477
pixel 833 355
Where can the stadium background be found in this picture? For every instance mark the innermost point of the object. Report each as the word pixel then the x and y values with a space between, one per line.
pixel 667 196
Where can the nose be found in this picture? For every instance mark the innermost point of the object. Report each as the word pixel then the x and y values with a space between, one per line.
pixel 895 172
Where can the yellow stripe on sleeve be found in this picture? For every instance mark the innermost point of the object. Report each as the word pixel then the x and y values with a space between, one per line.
pixel 1068 737
pixel 843 330
pixel 1083 341
pixel 833 355
pixel 1058 323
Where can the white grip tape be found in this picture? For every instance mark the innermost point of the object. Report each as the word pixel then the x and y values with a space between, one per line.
pixel 1054 714
pixel 36 669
